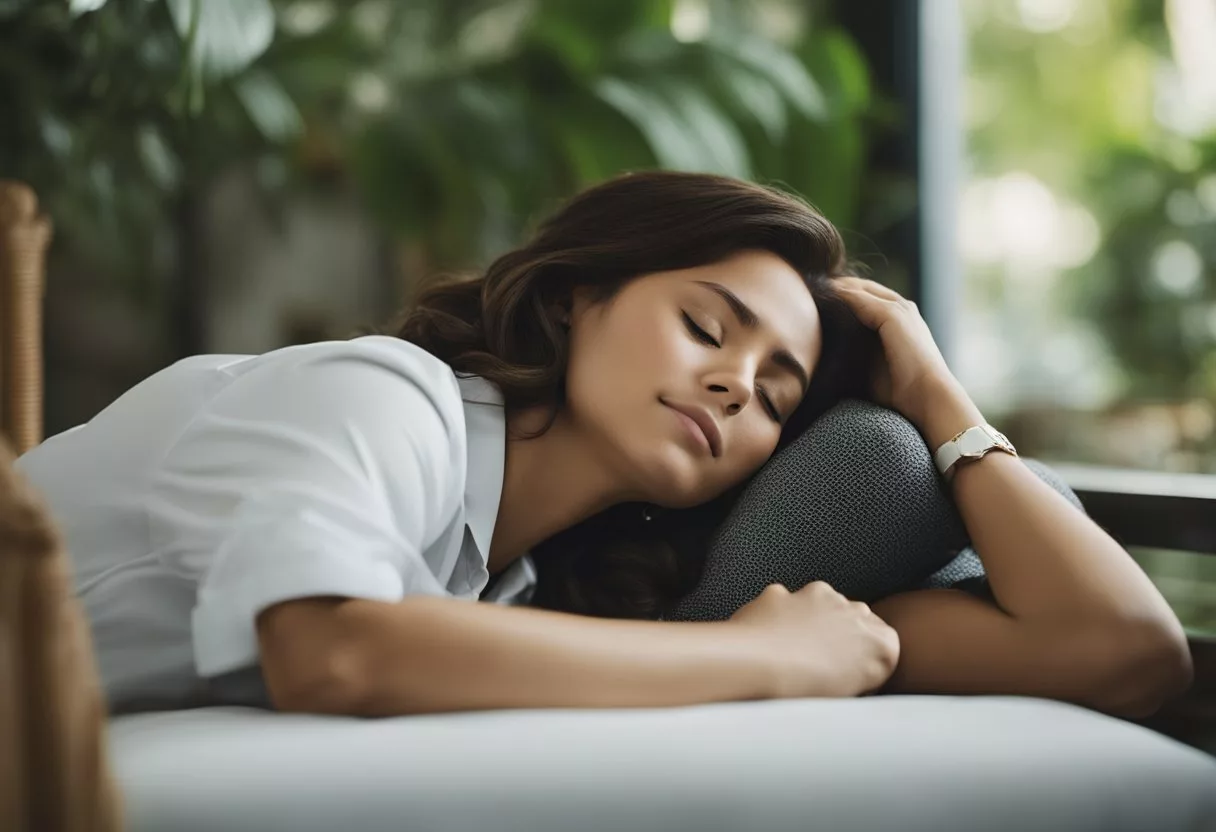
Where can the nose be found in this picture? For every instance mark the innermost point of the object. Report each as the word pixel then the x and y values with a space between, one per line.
pixel 731 389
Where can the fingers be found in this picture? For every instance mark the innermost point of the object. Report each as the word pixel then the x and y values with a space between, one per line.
pixel 872 302
pixel 871 286
pixel 869 308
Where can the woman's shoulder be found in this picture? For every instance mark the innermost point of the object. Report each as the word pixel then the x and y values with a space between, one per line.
pixel 377 363
pixel 388 351
pixel 377 385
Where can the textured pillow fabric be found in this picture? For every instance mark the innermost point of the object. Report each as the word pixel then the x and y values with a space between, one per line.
pixel 855 501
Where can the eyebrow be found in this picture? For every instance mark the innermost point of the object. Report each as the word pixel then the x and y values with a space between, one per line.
pixel 748 319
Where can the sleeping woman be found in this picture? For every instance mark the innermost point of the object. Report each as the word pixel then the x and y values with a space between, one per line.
pixel 456 515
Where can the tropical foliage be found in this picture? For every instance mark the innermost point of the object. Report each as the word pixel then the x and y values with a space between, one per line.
pixel 458 121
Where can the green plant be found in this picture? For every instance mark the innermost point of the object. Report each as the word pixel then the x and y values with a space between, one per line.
pixel 458 121
pixel 504 107
pixel 118 109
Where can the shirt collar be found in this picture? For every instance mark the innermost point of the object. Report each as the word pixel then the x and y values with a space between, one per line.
pixel 486 441
pixel 486 437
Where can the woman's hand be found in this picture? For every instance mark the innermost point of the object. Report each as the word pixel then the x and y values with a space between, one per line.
pixel 913 377
pixel 817 642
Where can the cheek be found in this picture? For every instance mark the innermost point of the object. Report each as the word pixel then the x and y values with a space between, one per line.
pixel 607 369
pixel 647 337
pixel 634 347
pixel 755 447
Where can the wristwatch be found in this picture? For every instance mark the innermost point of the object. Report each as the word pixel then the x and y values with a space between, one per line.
pixel 969 445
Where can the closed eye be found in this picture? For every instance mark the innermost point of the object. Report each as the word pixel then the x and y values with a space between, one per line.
pixel 699 333
pixel 769 406
pixel 705 338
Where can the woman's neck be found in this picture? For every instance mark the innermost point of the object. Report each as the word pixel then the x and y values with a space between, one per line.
pixel 550 483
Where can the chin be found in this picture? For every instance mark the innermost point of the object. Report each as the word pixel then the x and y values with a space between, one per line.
pixel 673 478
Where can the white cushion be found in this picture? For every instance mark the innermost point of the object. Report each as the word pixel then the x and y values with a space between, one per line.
pixel 898 762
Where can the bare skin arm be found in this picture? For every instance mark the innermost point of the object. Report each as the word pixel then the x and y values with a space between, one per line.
pixel 427 655
pixel 1077 619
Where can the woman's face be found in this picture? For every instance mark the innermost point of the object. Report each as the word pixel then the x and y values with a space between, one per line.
pixel 684 378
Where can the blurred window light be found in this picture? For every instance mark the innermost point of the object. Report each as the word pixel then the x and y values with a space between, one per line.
pixel 1192 31
pixel 1070 350
pixel 306 17
pixel 1017 220
pixel 1197 324
pixel 1183 208
pixel 1091 23
pixel 985 98
pixel 1077 237
pixel 690 20
pixel 781 21
pixel 1046 15
pixel 1177 267
pixel 369 92
pixel 1206 191
pixel 1076 367
pixel 493 32
pixel 371 18
pixel 1176 107
pixel 987 365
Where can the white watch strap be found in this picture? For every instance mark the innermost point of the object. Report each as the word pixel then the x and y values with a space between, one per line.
pixel 972 443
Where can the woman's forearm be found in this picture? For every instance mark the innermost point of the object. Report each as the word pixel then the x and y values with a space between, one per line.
pixel 1076 615
pixel 1044 558
pixel 428 655
pixel 954 643
pixel 1088 621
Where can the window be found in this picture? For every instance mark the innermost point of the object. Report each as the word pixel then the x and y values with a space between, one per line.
pixel 1086 224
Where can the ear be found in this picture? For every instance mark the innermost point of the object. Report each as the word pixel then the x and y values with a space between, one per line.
pixel 559 313
pixel 580 301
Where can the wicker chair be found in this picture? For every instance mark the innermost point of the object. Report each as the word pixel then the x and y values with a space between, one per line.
pixel 24 235
pixel 54 770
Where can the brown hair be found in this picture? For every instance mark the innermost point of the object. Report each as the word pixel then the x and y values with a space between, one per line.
pixel 503 326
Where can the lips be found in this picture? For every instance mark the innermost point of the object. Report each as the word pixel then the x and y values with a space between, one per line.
pixel 703 420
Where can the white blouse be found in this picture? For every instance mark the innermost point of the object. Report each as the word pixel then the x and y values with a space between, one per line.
pixel 224 484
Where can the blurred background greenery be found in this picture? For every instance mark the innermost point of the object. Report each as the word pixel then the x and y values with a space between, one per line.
pixel 1088 239
pixel 235 175
pixel 455 122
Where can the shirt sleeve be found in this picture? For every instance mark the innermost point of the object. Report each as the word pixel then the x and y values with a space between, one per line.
pixel 320 473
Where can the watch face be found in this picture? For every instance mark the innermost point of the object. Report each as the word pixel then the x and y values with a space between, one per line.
pixel 973 442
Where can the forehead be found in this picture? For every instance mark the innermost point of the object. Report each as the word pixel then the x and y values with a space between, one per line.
pixel 774 291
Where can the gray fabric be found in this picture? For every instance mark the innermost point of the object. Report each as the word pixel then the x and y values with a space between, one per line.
pixel 907 763
pixel 856 501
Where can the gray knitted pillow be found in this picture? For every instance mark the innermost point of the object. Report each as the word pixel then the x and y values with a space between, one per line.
pixel 855 501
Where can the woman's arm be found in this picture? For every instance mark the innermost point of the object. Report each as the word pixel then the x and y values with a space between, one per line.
pixel 429 654
pixel 1076 619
